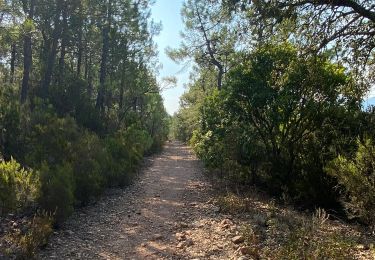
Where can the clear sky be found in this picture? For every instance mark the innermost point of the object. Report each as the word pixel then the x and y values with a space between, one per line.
pixel 169 13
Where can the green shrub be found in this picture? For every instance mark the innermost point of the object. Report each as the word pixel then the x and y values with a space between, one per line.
pixel 116 165
pixel 277 122
pixel 125 152
pixel 51 139
pixel 137 140
pixel 89 178
pixel 357 177
pixel 18 187
pixel 57 190
pixel 10 127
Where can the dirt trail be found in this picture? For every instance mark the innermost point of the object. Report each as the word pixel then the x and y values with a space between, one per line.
pixel 166 214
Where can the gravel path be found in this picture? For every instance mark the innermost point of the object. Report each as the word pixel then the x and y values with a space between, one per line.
pixel 167 214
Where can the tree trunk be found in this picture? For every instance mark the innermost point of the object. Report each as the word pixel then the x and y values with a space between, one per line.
pixel 64 41
pixel 135 102
pixel 122 90
pixel 12 62
pixel 123 79
pixel 27 53
pixel 103 64
pixel 80 44
pixel 53 51
pixel 211 52
pixel 88 72
pixel 220 77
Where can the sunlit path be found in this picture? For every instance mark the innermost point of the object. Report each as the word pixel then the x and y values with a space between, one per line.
pixel 141 222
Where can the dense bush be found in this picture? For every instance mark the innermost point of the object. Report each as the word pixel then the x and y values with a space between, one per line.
pixel 357 177
pixel 88 170
pixel 72 164
pixel 10 127
pixel 57 190
pixel 18 187
pixel 279 120
pixel 50 139
pixel 78 123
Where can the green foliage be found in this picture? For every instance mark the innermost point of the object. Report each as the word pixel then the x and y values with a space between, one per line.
pixel 74 165
pixel 279 120
pixel 79 101
pixel 10 128
pixel 18 187
pixel 50 138
pixel 357 177
pixel 88 153
pixel 57 190
pixel 125 151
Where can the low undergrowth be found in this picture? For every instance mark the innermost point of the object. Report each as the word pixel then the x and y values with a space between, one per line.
pixel 274 231
pixel 25 237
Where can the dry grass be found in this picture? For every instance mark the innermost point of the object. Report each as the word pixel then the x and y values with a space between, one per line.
pixel 24 240
pixel 280 232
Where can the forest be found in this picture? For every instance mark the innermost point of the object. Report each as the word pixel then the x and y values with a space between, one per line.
pixel 79 103
pixel 276 99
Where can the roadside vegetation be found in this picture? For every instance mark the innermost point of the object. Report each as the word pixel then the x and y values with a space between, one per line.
pixel 276 101
pixel 79 108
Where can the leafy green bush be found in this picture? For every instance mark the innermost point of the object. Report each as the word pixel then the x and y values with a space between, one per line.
pixel 125 151
pixel 18 187
pixel 10 127
pixel 357 177
pixel 277 122
pixel 89 178
pixel 57 190
pixel 51 139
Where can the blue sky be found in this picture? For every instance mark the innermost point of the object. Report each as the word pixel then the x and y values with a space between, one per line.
pixel 169 13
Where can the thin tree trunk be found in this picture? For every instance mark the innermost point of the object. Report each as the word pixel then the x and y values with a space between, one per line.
pixel 89 77
pixel 103 65
pixel 27 53
pixel 80 51
pixel 211 52
pixel 53 51
pixel 123 80
pixel 135 101
pixel 80 44
pixel 220 77
pixel 64 41
pixel 122 90
pixel 12 62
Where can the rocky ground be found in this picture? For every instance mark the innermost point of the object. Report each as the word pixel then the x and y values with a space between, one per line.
pixel 167 214
pixel 173 212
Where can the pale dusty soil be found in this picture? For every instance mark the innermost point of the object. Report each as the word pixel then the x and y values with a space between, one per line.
pixel 143 221
pixel 173 212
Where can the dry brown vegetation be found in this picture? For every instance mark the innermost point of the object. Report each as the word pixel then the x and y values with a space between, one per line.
pixel 276 231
